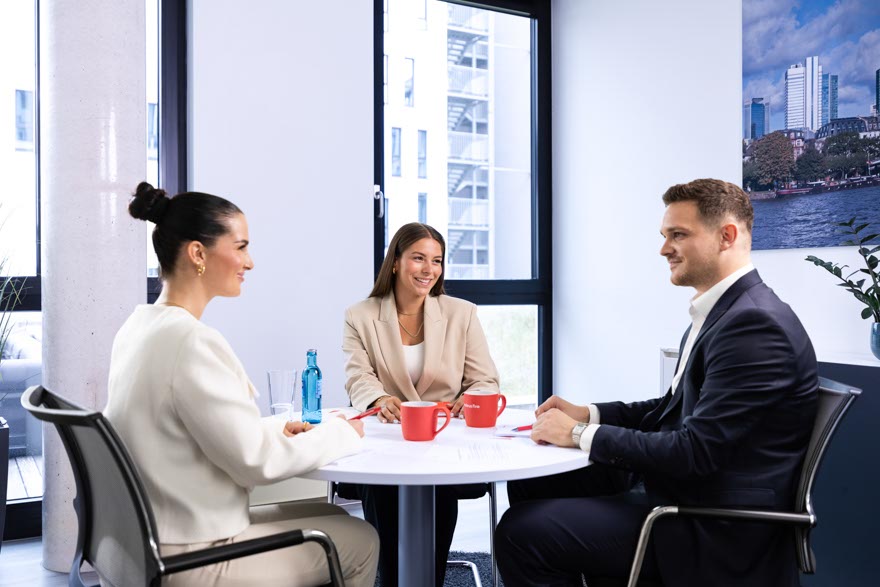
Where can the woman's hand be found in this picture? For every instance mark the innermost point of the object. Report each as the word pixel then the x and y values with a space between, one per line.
pixel 390 411
pixel 579 413
pixel 456 407
pixel 294 428
pixel 358 426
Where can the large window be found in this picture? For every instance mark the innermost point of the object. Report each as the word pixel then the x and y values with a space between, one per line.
pixel 21 366
pixel 24 120
pixel 409 68
pixel 18 124
pixel 485 108
pixel 423 154
pixel 395 152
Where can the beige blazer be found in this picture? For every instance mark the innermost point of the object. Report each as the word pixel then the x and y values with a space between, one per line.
pixel 456 353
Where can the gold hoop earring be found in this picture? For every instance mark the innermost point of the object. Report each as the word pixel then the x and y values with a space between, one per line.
pixel 201 270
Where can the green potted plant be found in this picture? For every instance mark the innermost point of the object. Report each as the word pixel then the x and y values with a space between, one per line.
pixel 867 292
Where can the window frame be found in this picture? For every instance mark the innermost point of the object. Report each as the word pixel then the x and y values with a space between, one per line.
pixel 536 291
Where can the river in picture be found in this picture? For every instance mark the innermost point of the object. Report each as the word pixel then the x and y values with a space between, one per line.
pixel 806 221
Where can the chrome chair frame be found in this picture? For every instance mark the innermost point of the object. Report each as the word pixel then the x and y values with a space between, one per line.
pixel 834 401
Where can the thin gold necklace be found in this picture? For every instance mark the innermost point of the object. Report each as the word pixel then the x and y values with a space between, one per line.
pixel 418 332
pixel 172 304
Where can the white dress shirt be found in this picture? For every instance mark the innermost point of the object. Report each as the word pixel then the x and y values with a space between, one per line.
pixel 701 305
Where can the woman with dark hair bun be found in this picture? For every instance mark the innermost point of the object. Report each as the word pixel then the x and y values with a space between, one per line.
pixel 408 342
pixel 181 401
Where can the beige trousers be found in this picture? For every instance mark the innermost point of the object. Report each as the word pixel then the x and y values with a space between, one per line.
pixel 295 566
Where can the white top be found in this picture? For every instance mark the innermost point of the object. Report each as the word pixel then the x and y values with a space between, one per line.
pixel 414 355
pixel 181 402
pixel 701 305
pixel 459 454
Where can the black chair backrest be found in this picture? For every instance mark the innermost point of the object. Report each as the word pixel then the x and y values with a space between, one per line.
pixel 834 400
pixel 117 531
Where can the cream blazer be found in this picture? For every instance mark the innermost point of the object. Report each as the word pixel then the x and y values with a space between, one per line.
pixel 456 353
pixel 181 402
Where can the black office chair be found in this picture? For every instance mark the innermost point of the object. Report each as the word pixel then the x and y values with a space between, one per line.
pixel 117 532
pixel 479 491
pixel 834 400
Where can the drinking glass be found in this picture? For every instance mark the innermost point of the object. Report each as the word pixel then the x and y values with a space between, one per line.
pixel 283 399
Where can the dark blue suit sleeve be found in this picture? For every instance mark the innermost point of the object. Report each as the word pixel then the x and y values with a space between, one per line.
pixel 748 367
pixel 628 415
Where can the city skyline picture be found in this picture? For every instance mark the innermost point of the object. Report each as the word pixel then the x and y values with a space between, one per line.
pixel 811 130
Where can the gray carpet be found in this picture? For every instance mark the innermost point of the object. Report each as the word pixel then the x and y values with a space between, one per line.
pixel 462 576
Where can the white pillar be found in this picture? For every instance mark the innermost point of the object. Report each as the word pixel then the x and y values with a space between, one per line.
pixel 93 154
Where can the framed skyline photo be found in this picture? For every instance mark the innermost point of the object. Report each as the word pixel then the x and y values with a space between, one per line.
pixel 811 130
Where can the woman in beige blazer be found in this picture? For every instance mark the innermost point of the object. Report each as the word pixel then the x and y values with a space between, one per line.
pixel 409 341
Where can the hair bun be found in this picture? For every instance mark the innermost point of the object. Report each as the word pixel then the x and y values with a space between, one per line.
pixel 148 203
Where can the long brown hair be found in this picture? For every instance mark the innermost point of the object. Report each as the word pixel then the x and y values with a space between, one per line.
pixel 404 238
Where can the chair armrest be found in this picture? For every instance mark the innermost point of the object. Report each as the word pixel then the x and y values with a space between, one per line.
pixel 199 558
pixel 797 519
pixel 792 518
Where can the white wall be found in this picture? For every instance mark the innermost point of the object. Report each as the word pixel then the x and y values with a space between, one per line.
pixel 281 122
pixel 646 95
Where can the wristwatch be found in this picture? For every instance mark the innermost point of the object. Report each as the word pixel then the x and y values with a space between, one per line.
pixel 576 433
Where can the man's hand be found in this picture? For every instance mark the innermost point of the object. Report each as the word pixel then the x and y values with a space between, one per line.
pixel 579 413
pixel 390 411
pixel 294 428
pixel 553 427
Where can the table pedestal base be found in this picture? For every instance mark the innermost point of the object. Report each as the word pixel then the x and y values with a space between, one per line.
pixel 415 551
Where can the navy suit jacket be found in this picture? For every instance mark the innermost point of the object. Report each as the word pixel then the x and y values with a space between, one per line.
pixel 732 434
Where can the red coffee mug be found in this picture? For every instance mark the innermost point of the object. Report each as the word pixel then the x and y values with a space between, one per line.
pixel 419 419
pixel 481 408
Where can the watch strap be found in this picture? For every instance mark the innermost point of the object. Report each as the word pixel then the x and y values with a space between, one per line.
pixel 576 433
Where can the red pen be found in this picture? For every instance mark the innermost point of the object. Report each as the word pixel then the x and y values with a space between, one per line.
pixel 369 412
pixel 522 428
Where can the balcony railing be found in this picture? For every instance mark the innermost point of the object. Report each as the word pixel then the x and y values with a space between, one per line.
pixel 468 18
pixel 469 147
pixel 468 212
pixel 467 80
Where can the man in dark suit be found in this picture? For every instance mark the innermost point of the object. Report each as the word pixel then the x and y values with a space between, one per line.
pixel 731 432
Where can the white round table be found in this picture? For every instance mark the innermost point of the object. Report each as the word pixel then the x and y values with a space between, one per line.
pixel 459 455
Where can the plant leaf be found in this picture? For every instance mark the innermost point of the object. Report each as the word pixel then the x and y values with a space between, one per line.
pixel 868 238
pixel 849 243
pixel 861 227
pixel 866 313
